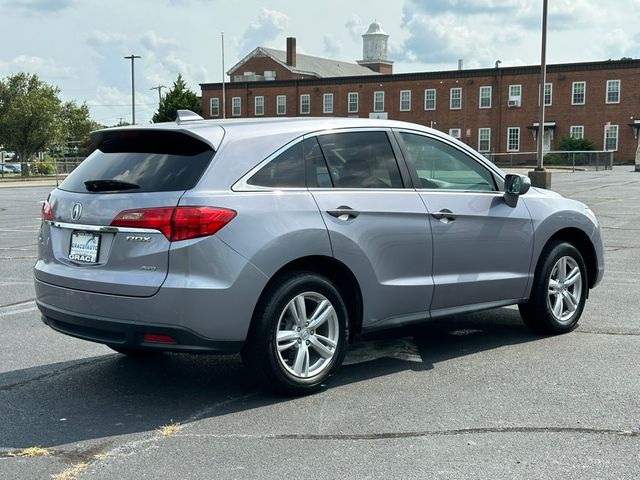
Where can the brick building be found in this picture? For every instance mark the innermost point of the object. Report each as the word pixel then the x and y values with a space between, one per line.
pixel 492 109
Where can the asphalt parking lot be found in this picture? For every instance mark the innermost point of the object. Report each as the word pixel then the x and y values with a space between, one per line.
pixel 475 397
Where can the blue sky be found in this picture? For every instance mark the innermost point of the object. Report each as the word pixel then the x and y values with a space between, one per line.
pixel 79 45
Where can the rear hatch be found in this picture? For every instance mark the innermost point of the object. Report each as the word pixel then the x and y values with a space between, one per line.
pixel 104 227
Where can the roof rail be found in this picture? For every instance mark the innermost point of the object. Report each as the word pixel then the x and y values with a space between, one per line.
pixel 187 116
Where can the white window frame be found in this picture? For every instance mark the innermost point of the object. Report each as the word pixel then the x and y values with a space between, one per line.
pixel 480 139
pixel 214 105
pixel 576 128
pixel 485 88
pixel 426 98
pixel 574 86
pixel 607 132
pixel 350 101
pixel 609 83
pixel 406 101
pixel 455 133
pixel 509 130
pixel 515 97
pixel 378 98
pixel 258 102
pixel 236 106
pixel 544 94
pixel 458 90
pixel 327 103
pixel 281 104
pixel 303 97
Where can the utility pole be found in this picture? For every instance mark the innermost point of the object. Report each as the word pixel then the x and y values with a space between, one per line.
pixel 540 177
pixel 132 57
pixel 224 96
pixel 159 88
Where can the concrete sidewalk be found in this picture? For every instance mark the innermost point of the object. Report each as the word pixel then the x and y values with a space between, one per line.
pixel 29 182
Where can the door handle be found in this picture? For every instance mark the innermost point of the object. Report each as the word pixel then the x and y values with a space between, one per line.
pixel 343 212
pixel 445 215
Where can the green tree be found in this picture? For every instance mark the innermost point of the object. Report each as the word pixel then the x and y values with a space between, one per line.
pixel 178 98
pixel 568 143
pixel 77 125
pixel 30 116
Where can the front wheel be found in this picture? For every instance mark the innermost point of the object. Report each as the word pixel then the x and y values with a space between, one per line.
pixel 298 335
pixel 559 291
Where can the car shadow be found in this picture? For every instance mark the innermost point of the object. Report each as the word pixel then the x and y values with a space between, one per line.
pixel 106 396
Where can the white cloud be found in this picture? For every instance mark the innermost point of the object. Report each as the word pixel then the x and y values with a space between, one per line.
pixel 43 67
pixel 40 6
pixel 105 39
pixel 332 46
pixel 356 27
pixel 269 25
pixel 151 41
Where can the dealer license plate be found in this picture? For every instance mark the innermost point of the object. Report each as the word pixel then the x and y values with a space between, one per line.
pixel 85 247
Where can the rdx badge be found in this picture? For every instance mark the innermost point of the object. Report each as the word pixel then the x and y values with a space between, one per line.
pixel 138 238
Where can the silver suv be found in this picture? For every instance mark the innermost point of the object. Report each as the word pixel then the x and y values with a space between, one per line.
pixel 283 238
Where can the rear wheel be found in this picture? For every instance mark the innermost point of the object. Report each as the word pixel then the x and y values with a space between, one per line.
pixel 298 336
pixel 559 292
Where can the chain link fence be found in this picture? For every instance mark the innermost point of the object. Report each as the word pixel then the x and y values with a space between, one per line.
pixel 48 167
pixel 582 160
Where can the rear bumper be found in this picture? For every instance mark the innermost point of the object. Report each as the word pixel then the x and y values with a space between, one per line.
pixel 130 334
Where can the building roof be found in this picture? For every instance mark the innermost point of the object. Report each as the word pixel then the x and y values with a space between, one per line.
pixel 308 64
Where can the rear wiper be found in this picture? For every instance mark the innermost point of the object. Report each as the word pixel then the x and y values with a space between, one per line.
pixel 109 185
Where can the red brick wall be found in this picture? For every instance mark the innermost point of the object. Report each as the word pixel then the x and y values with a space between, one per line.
pixel 593 115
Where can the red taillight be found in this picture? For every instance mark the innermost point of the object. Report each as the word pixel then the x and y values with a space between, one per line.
pixel 179 223
pixel 156 338
pixel 47 211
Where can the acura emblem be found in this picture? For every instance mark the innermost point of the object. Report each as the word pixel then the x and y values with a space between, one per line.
pixel 76 211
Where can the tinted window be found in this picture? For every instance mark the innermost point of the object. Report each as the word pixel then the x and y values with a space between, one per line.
pixel 439 165
pixel 144 161
pixel 318 173
pixel 284 171
pixel 361 160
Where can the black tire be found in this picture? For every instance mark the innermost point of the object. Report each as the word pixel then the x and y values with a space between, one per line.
pixel 538 313
pixel 274 369
pixel 134 352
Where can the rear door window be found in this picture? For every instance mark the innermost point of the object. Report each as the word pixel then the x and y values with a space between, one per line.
pixel 141 161
pixel 361 160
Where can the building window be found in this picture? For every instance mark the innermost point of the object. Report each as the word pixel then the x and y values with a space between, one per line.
pixel 577 131
pixel 236 104
pixel 281 104
pixel 548 94
pixel 305 104
pixel 327 103
pixel 214 107
pixel 352 101
pixel 259 105
pixel 485 97
pixel 515 95
pixel 513 139
pixel 611 137
pixel 378 101
pixel 613 91
pixel 484 140
pixel 455 100
pixel 455 132
pixel 578 90
pixel 405 100
pixel 430 99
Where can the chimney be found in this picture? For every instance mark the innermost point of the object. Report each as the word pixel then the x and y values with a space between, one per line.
pixel 291 51
pixel 460 63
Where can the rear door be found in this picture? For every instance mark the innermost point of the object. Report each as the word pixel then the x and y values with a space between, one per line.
pixel 482 247
pixel 131 170
pixel 377 227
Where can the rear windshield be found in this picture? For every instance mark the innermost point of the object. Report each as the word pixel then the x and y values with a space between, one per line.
pixel 140 161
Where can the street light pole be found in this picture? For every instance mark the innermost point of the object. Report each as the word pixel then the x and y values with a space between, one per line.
pixel 132 57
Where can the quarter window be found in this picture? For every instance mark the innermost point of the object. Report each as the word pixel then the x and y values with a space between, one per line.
pixel 441 166
pixel 513 139
pixel 360 160
pixel 613 91
pixel 284 171
pixel 455 99
pixel 405 100
pixel 305 103
pixel 578 90
pixel 485 97
pixel 430 99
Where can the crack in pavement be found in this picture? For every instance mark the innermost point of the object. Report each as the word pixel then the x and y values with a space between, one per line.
pixel 607 332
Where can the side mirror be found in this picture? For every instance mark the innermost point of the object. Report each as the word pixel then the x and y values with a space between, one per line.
pixel 514 186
